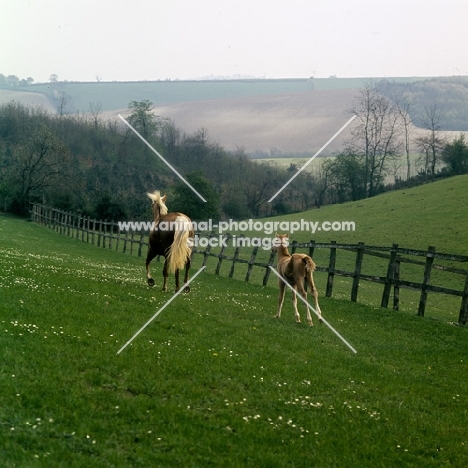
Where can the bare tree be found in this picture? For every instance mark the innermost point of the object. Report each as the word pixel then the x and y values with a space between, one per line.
pixel 433 141
pixel 95 109
pixel 376 136
pixel 404 107
pixel 39 162
pixel 62 99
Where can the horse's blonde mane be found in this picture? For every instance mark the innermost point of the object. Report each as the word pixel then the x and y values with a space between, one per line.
pixel 158 200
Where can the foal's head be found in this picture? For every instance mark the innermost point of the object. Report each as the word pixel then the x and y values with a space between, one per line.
pixel 159 206
pixel 280 240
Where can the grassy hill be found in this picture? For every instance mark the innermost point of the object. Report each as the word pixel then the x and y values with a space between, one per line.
pixel 431 214
pixel 214 380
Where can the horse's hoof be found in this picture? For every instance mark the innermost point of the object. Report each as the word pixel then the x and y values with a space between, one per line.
pixel 320 321
pixel 187 289
pixel 150 282
pixel 164 289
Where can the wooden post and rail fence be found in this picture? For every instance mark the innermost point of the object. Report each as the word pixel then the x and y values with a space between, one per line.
pixel 107 234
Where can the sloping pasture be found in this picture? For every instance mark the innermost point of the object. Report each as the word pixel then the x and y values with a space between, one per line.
pixel 214 380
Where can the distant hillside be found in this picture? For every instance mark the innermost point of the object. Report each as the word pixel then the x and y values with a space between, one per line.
pixel 268 124
pixel 26 97
pixel 288 117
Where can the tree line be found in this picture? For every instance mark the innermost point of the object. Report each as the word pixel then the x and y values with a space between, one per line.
pixel 101 168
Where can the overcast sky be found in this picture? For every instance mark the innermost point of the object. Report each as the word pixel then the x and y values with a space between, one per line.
pixel 188 39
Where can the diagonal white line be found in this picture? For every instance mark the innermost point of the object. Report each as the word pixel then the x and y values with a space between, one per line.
pixel 316 313
pixel 312 158
pixel 161 157
pixel 160 310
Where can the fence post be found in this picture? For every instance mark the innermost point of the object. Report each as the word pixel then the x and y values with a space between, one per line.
pixel 357 271
pixel 251 262
pixel 207 251
pixel 141 243
pixel 221 254
pixel 235 257
pixel 311 249
pixel 390 276
pixel 267 269
pixel 426 280
pixel 62 222
pixel 331 269
pixel 463 317
pixel 111 234
pixel 118 239
pixel 293 247
pixel 396 286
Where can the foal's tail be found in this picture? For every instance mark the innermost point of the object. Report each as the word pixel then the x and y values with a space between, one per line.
pixel 180 250
pixel 309 265
pixel 310 268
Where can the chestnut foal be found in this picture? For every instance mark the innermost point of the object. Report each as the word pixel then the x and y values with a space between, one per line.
pixel 294 268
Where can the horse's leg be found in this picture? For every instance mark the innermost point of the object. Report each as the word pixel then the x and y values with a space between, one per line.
pixel 314 293
pixel 150 255
pixel 165 274
pixel 177 283
pixel 186 277
pixel 282 287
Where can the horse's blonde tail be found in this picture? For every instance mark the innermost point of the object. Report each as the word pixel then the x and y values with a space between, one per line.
pixel 180 250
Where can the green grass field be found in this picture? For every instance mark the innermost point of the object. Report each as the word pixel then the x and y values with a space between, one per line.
pixel 214 380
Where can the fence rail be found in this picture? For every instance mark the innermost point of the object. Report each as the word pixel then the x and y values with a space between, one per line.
pixel 107 234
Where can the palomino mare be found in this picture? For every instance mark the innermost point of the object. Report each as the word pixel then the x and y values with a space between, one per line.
pixel 294 269
pixel 171 237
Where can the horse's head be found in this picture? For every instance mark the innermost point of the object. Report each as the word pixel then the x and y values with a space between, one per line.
pixel 159 203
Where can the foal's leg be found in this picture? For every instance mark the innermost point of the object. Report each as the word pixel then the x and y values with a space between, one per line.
pixel 314 293
pixel 150 255
pixel 294 302
pixel 280 298
pixel 303 293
